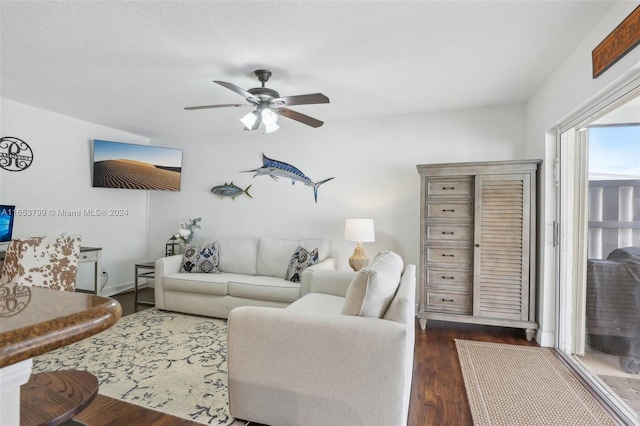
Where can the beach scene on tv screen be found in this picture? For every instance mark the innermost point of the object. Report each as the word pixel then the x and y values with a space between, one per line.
pixel 130 166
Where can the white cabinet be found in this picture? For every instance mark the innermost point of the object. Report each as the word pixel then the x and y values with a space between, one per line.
pixel 477 236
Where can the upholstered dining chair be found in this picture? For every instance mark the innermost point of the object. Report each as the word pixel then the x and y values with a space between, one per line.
pixel 50 262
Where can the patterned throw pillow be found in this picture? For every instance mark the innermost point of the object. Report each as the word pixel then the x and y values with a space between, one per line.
pixel 300 261
pixel 205 260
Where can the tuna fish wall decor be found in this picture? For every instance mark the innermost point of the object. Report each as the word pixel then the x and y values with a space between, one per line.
pixel 276 169
pixel 230 190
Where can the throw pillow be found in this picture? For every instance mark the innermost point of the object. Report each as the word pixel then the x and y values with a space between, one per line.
pixel 42 262
pixel 356 292
pixel 384 278
pixel 205 260
pixel 371 291
pixel 300 261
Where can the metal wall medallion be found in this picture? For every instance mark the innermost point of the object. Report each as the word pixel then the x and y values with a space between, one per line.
pixel 15 154
pixel 13 299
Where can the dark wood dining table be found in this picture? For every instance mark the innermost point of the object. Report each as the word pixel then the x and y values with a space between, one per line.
pixel 36 320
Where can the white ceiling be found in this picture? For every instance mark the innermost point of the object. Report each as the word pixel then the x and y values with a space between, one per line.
pixel 134 65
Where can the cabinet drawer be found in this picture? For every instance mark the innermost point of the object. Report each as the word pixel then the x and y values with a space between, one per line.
pixel 449 302
pixel 443 254
pixel 444 210
pixel 448 187
pixel 459 278
pixel 448 232
pixel 88 256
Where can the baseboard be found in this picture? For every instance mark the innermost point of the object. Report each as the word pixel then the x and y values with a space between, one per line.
pixel 124 287
pixel 116 289
pixel 546 339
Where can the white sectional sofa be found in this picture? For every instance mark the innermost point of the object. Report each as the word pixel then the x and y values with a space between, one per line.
pixel 252 273
pixel 313 364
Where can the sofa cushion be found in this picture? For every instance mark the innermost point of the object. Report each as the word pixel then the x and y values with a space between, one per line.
pixel 263 288
pixel 301 260
pixel 205 259
pixel 356 292
pixel 274 254
pixel 213 284
pixel 318 302
pixel 238 255
pixel 381 286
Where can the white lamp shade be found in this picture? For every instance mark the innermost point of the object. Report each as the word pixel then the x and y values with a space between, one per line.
pixel 249 120
pixel 269 117
pixel 359 230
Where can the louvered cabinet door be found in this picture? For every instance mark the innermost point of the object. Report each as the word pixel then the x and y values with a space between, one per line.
pixel 501 250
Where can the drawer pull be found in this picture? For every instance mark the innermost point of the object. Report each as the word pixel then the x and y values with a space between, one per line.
pixel 448 255
pixel 447 232
pixel 449 210
pixel 447 278
pixel 448 188
pixel 447 300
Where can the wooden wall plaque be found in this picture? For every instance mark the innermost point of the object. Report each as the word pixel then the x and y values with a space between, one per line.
pixel 618 43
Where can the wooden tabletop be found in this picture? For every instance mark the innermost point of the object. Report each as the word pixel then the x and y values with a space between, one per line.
pixel 35 320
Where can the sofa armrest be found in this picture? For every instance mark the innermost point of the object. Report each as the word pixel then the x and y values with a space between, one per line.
pixel 163 267
pixel 296 367
pixel 327 282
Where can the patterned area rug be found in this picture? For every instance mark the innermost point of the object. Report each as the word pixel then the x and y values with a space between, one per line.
pixel 524 385
pixel 170 362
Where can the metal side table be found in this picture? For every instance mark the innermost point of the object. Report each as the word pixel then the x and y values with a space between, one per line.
pixel 150 268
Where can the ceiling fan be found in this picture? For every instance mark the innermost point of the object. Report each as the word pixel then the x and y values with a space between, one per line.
pixel 269 104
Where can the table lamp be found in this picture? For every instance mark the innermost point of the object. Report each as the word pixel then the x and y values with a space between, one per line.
pixel 359 231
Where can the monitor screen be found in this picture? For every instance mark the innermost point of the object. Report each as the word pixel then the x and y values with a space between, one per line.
pixel 6 222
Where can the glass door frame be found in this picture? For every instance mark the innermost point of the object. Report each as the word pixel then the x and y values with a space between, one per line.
pixel 571 248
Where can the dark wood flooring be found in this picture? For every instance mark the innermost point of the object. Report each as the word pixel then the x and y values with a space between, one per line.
pixel 437 396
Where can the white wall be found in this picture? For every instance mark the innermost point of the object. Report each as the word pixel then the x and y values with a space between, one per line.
pixel 373 162
pixel 59 178
pixel 570 89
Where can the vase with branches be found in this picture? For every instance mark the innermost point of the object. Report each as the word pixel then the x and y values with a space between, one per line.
pixel 187 230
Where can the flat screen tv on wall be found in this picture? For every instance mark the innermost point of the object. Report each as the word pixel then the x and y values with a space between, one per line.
pixel 131 166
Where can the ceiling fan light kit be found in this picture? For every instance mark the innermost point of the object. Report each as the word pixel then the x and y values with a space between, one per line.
pixel 269 105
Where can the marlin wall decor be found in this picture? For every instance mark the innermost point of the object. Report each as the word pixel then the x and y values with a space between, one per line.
pixel 276 169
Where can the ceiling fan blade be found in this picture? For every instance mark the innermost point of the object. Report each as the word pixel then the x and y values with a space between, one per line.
pixel 248 96
pixel 294 115
pixel 313 98
pixel 216 106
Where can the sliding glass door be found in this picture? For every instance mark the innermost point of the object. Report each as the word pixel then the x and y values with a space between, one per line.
pixel 599 252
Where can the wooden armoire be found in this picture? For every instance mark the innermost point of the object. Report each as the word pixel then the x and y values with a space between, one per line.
pixel 478 243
